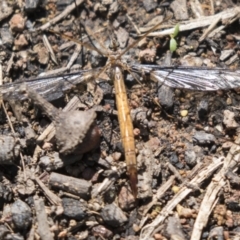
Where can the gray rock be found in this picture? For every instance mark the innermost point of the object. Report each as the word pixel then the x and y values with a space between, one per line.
pixel 149 5
pixel 21 215
pixel 74 208
pixel 113 215
pixel 202 137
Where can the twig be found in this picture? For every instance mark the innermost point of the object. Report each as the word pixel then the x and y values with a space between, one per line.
pixel 10 63
pixel 53 198
pixel 199 22
pixel 134 25
pixel 69 9
pixel 152 228
pixel 212 7
pixel 230 163
pixel 43 227
pixel 160 193
pixel 220 28
pixel 197 8
pixel 49 48
pixel 74 56
pixel 210 28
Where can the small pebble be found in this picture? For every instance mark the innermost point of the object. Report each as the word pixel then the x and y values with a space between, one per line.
pixel 184 113
pixel 175 189
pixel 229 101
pixel 229 119
pixel 74 208
pixel 113 215
pixel 20 42
pixel 17 23
pixel 125 199
pixel 101 231
pixel 21 215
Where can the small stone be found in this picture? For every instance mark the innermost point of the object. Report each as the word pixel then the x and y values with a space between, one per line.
pixel 5 10
pixel 116 156
pixel 173 158
pixel 149 5
pixel 107 2
pixel 216 232
pixel 51 161
pixel 74 208
pixel 125 199
pixel 202 109
pixel 4 232
pixel 113 9
pixel 229 101
pixel 20 42
pixel 193 61
pixel 229 120
pixel 179 8
pixel 21 215
pixel 31 5
pixel 227 145
pixel 190 157
pixel 174 228
pixel 175 189
pixel 143 43
pixel 204 138
pixel 6 35
pixel 136 132
pixel 122 37
pixel 184 113
pixel 113 215
pixel 42 52
pixel 102 232
pixel 17 23
pixel 9 149
pixel 165 96
pixel 153 143
pixel 226 54
pixel 30 135
pixel 27 188
pixel 147 55
pixel 184 212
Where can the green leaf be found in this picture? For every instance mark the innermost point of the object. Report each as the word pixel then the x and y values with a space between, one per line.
pixel 173 45
pixel 176 31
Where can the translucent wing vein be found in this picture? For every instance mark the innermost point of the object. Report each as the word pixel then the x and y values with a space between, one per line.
pixel 208 79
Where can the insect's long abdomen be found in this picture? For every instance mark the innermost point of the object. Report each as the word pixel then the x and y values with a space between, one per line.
pixel 126 128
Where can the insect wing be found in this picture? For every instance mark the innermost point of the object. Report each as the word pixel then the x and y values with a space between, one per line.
pixel 195 78
pixel 50 87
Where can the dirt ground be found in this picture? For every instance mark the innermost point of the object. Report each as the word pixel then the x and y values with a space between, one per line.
pixel 62 162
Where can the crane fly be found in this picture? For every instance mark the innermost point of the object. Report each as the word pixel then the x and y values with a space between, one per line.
pixel 193 78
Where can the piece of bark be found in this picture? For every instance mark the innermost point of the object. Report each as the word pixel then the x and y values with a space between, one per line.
pixel 76 131
pixel 53 198
pixel 72 185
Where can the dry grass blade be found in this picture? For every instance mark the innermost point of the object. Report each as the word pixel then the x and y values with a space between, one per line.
pixel 231 163
pixel 148 231
pixel 199 22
